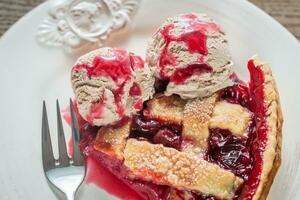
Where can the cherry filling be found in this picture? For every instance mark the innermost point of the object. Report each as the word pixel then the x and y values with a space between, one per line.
pixel 230 152
pixel 155 131
pixel 168 138
pixel 237 94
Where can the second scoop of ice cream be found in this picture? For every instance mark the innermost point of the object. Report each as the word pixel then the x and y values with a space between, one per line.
pixel 191 52
pixel 110 84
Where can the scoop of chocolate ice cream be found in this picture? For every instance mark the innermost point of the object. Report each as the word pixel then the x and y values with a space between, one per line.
pixel 110 84
pixel 191 52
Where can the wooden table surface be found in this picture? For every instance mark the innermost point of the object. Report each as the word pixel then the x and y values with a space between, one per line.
pixel 287 12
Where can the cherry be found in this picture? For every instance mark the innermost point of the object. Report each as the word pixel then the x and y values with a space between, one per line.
pixel 144 127
pixel 168 138
pixel 155 131
pixel 229 152
pixel 238 94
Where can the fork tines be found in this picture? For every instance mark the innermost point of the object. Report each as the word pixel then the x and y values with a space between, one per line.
pixel 64 160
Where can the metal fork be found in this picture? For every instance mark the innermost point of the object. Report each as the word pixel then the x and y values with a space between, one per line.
pixel 65 174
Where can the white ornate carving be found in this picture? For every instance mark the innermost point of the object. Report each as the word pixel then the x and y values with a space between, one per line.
pixel 74 24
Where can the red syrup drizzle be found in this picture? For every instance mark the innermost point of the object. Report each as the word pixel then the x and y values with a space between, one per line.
pixel 194 37
pixel 96 110
pixel 135 90
pixel 180 75
pixel 136 62
pixel 67 115
pixel 138 105
pixel 118 65
pixel 118 93
pixel 103 178
pixel 115 65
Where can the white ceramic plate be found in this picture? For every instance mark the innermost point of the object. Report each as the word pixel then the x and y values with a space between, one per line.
pixel 30 72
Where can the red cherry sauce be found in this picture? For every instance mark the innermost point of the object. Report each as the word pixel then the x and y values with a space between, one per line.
pixel 180 75
pixel 67 115
pixel 99 175
pixel 194 36
pixel 118 64
pixel 135 90
pixel 118 93
pixel 237 94
pixel 156 131
pixel 260 138
pixel 229 152
pixel 96 110
pixel 136 62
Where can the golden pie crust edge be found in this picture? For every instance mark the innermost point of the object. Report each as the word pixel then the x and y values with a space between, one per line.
pixel 274 122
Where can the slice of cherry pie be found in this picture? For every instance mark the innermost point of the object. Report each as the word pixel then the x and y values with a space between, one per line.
pixel 223 146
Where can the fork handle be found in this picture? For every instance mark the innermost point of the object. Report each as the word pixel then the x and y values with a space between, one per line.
pixel 70 196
